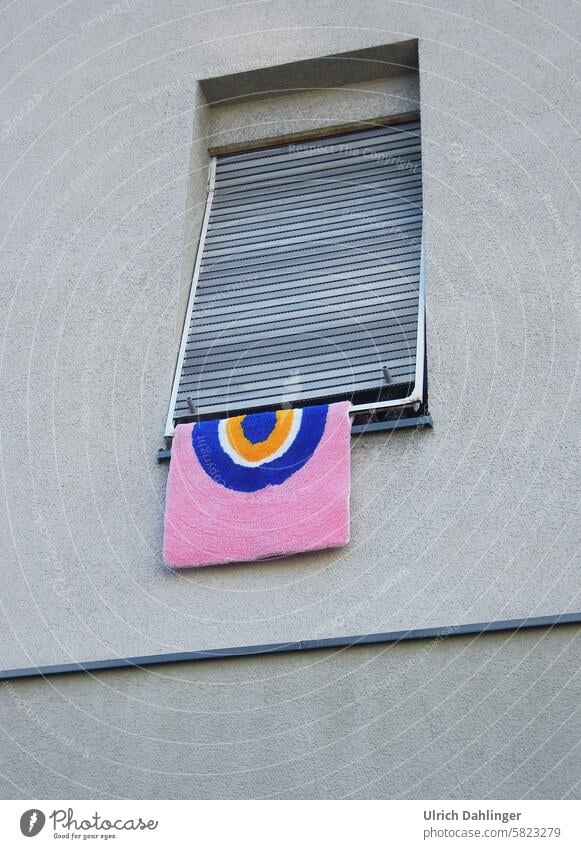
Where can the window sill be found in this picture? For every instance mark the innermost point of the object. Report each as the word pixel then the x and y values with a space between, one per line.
pixel 419 422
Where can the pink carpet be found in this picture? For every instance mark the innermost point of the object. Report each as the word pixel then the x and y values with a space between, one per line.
pixel 258 486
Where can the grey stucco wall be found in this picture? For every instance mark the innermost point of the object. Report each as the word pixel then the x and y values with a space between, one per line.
pixel 492 717
pixel 101 206
pixel 101 201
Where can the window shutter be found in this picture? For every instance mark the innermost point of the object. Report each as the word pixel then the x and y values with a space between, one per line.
pixel 307 284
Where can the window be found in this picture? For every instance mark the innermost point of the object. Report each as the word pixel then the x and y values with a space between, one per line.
pixel 308 283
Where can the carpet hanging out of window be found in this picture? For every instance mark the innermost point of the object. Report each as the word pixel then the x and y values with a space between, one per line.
pixel 257 486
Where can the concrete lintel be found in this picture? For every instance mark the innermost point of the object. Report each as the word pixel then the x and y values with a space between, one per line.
pixel 339 69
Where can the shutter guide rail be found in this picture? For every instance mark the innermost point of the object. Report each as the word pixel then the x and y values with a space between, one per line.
pixel 169 425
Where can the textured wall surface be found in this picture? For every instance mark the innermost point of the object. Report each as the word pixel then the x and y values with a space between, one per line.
pixel 492 717
pixel 478 519
pixel 102 192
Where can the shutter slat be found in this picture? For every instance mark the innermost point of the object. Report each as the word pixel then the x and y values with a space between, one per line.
pixel 330 236
pixel 231 311
pixel 243 287
pixel 205 387
pixel 209 369
pixel 311 312
pixel 324 367
pixel 300 212
pixel 317 193
pixel 335 341
pixel 321 223
pixel 322 147
pixel 295 255
pixel 279 168
pixel 234 285
pixel 346 173
pixel 290 384
pixel 315 323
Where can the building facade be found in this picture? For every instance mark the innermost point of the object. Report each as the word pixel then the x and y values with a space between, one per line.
pixel 110 117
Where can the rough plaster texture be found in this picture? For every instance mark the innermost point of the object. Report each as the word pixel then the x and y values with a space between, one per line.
pixel 492 717
pixel 101 205
pixel 472 521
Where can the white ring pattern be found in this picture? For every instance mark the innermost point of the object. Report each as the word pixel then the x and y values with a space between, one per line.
pixel 229 449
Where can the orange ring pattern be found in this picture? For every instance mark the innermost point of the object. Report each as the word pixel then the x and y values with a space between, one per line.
pixel 255 452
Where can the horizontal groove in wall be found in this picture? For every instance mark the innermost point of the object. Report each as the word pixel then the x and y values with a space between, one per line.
pixel 472 629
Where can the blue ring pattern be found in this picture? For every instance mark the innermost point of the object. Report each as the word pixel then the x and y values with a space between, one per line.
pixel 224 470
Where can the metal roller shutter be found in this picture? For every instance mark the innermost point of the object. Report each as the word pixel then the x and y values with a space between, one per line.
pixel 308 278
